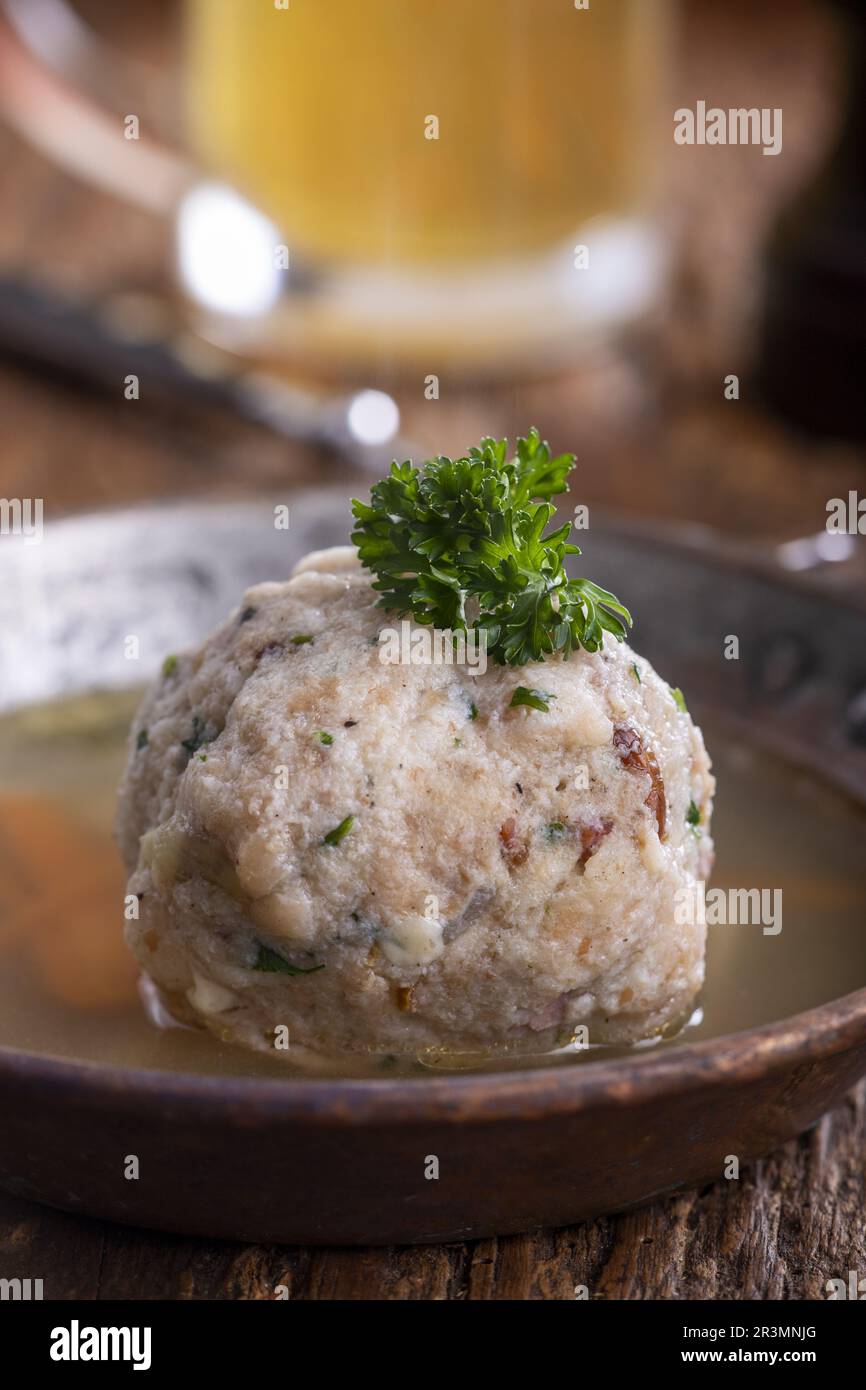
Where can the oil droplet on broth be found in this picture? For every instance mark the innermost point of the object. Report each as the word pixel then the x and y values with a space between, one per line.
pixel 69 987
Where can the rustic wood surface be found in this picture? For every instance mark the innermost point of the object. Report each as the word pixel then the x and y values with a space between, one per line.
pixel 655 437
pixel 780 1231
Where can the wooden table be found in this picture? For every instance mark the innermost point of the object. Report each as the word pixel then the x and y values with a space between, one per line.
pixel 781 1231
pixel 654 436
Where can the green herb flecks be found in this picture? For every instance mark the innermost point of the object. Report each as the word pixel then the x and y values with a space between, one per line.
pixel 273 964
pixel 679 698
pixel 142 740
pixel 339 832
pixel 554 831
pixel 634 667
pixel 198 738
pixel 169 666
pixel 301 639
pixel 535 699
pixel 474 529
pixel 324 737
pixel 473 710
pixel 693 818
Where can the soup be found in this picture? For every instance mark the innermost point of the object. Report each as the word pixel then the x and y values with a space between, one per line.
pixel 69 988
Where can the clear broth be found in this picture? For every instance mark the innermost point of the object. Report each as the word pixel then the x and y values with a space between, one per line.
pixel 69 988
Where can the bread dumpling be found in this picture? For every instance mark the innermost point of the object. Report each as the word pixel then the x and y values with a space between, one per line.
pixel 396 858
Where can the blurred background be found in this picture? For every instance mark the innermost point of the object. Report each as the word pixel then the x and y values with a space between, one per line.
pixel 262 212
pixel 249 249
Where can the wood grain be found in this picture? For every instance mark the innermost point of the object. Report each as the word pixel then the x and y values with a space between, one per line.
pixel 783 1229
pixel 656 438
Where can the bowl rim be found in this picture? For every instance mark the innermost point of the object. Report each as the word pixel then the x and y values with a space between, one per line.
pixel 528 1093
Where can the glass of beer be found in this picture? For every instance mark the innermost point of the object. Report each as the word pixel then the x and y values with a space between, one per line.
pixel 437 182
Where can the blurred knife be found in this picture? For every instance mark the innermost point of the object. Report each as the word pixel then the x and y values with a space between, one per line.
pixel 99 346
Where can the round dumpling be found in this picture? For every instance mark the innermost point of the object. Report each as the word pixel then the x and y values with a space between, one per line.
pixel 399 857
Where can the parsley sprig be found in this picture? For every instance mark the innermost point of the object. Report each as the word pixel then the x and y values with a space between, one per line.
pixel 462 543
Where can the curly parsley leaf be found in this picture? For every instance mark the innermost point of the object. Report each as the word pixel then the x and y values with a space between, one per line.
pixel 198 738
pixel 463 543
pixel 339 832
pixel 535 699
pixel 556 830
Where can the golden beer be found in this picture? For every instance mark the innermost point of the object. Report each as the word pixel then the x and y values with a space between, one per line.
pixel 426 131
